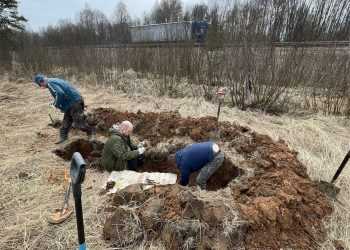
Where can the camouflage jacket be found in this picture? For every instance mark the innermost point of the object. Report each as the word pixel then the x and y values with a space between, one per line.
pixel 117 150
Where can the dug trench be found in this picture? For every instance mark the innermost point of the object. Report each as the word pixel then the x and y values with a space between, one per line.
pixel 92 151
pixel 262 199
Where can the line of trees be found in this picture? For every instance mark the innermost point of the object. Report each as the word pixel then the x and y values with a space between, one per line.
pixel 319 78
pixel 237 21
pixel 92 27
pixel 288 20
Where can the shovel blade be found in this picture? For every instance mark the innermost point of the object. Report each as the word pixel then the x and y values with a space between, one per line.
pixel 329 189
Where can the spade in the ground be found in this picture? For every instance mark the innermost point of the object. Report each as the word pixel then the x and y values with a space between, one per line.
pixel 330 188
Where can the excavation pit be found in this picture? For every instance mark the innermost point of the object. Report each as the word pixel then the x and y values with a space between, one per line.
pixel 281 206
pixel 220 179
pixel 89 150
pixel 92 151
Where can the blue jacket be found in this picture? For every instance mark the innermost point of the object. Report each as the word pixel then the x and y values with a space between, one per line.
pixel 65 94
pixel 193 158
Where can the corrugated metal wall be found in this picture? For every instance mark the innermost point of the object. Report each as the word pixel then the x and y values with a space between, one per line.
pixel 161 32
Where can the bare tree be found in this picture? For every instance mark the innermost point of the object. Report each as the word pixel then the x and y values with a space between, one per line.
pixel 93 25
pixel 200 12
pixel 147 18
pixel 121 14
pixel 187 15
pixel 167 11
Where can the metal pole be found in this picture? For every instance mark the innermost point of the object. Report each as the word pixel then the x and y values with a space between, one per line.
pixel 219 108
pixel 221 96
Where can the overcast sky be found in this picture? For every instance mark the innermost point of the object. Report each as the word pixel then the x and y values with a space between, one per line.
pixel 41 13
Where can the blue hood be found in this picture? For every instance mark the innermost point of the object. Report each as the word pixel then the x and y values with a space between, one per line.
pixel 38 78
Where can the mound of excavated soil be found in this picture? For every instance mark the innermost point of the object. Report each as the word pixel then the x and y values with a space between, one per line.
pixel 157 127
pixel 275 206
pixel 177 217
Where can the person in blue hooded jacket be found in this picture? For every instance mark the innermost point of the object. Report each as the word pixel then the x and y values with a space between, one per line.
pixel 205 156
pixel 70 102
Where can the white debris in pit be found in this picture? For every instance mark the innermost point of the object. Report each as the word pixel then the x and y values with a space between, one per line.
pixel 125 178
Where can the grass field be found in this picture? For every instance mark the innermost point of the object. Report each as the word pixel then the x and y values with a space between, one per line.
pixel 26 161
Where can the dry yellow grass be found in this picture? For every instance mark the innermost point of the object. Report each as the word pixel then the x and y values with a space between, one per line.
pixel 26 143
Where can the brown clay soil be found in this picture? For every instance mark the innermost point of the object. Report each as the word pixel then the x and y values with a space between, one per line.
pixel 156 127
pixel 279 204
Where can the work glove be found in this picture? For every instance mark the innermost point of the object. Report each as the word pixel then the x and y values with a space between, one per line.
pixel 114 128
pixel 141 144
pixel 141 150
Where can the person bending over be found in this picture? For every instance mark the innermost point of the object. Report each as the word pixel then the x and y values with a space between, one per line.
pixel 70 102
pixel 205 156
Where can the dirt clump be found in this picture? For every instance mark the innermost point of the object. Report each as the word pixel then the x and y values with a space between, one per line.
pixel 178 218
pixel 283 206
pixel 89 150
pixel 122 229
pixel 133 194
pixel 283 213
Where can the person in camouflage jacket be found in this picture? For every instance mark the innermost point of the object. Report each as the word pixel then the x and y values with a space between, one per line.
pixel 119 152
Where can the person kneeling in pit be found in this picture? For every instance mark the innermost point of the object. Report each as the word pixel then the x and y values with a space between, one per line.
pixel 119 153
pixel 205 156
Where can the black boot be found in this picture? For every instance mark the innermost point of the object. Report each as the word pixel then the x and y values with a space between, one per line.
pixel 63 135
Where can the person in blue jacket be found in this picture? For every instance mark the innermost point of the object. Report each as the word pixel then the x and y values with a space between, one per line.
pixel 70 102
pixel 205 156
